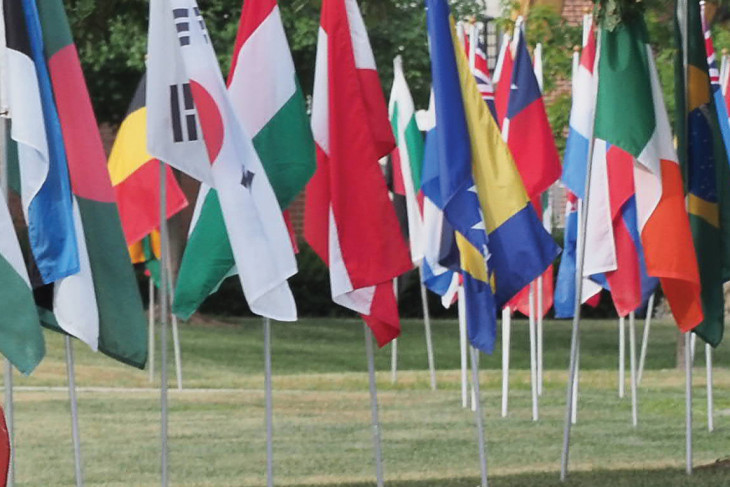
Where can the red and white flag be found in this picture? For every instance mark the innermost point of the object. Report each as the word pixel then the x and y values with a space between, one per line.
pixel 350 221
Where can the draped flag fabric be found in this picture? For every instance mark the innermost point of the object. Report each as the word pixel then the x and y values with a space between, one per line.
pixel 266 97
pixel 407 157
pixel 634 157
pixel 484 198
pixel 437 278
pixel 100 304
pixel 179 43
pixel 135 175
pixel 349 218
pixel 480 67
pixel 503 79
pixel 45 187
pixel 704 160
pixel 714 73
pixel 527 129
pixel 4 449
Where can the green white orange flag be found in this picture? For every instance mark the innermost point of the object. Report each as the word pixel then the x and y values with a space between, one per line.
pixel 407 157
pixel 122 324
pixel 266 97
pixel 631 123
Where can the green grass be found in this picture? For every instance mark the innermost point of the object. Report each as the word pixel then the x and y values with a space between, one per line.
pixel 322 430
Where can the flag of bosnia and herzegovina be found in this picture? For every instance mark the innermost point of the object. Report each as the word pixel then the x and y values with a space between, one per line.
pixel 706 173
pixel 122 324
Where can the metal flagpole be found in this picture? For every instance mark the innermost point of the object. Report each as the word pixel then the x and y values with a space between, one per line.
pixel 693 346
pixel 539 335
pixel 269 405
pixel 645 339
pixel 533 353
pixel 75 435
pixel 394 361
pixel 576 382
pixel 151 331
pixel 427 329
pixel 462 346
pixel 374 407
pixel 710 392
pixel 175 334
pixel 8 374
pixel 575 331
pixel 478 416
pixel 163 324
pixel 688 401
pixel 632 361
pixel 506 336
pixel 621 357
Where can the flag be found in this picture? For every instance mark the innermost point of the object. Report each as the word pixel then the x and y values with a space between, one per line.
pixel 135 175
pixel 527 129
pixel 719 100
pixel 502 79
pixel 349 219
pixel 631 124
pixel 251 216
pixel 4 449
pixel 104 293
pixel 22 338
pixel 705 164
pixel 407 157
pixel 478 177
pixel 480 68
pixel 269 104
pixel 45 189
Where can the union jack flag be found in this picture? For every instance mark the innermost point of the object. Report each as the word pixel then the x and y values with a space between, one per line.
pixel 480 68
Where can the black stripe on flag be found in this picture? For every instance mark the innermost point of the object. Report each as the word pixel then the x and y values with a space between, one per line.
pixel 175 109
pixel 16 32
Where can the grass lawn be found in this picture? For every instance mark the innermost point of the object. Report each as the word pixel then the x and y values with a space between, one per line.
pixel 322 430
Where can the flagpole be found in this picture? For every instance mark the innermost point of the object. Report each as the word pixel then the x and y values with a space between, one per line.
pixel 621 356
pixel 269 405
pixel 394 361
pixel 427 329
pixel 151 330
pixel 478 416
pixel 374 407
pixel 539 335
pixel 632 361
pixel 75 435
pixel 576 383
pixel 688 401
pixel 462 347
pixel 575 331
pixel 506 337
pixel 8 373
pixel 645 339
pixel 175 334
pixel 163 324
pixel 710 392
pixel 533 353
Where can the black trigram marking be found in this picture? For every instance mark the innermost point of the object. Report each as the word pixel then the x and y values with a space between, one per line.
pixel 247 178
pixel 182 24
pixel 184 117
pixel 201 23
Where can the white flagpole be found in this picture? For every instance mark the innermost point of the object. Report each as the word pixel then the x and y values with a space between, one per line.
pixel 576 382
pixel 539 335
pixel 75 435
pixel 8 374
pixel 645 339
pixel 269 405
pixel 163 326
pixel 175 334
pixel 374 407
pixel 533 353
pixel 621 357
pixel 710 399
pixel 151 331
pixel 693 347
pixel 478 416
pixel 472 56
pixel 688 401
pixel 506 336
pixel 462 347
pixel 394 361
pixel 427 329
pixel 632 361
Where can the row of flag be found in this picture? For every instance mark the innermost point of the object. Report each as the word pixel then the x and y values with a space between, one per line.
pixel 473 188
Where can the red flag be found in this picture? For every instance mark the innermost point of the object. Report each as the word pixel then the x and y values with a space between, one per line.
pixel 349 219
pixel 4 449
pixel 502 85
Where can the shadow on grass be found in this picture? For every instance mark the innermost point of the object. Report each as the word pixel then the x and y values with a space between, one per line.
pixel 710 476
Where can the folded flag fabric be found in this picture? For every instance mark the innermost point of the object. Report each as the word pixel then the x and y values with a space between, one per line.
pixel 179 44
pixel 631 123
pixel 135 175
pixel 476 52
pixel 704 161
pixel 349 219
pixel 503 79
